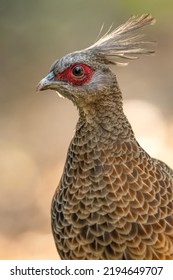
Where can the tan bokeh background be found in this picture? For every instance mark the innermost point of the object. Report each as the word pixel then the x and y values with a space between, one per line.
pixel 36 128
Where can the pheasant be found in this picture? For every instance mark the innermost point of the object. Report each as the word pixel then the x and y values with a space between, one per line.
pixel 113 201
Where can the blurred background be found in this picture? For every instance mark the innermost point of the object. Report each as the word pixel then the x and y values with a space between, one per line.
pixel 36 128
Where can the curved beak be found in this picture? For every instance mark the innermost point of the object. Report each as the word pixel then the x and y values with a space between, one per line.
pixel 47 82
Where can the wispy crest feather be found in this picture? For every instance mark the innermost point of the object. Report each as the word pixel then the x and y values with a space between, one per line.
pixel 124 42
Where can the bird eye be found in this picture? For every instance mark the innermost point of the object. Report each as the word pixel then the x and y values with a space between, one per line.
pixel 78 71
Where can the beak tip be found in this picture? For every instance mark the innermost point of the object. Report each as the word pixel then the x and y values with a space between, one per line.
pixel 45 82
pixel 42 85
pixel 39 87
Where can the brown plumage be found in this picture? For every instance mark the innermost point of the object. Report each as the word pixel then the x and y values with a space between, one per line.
pixel 113 201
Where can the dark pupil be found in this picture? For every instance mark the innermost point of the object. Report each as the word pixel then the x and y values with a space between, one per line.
pixel 77 71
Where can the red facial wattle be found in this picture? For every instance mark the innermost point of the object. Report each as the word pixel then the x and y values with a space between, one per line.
pixel 76 74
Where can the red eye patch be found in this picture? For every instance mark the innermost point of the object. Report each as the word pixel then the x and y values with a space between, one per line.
pixel 76 74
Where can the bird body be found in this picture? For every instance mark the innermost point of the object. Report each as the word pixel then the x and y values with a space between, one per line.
pixel 113 201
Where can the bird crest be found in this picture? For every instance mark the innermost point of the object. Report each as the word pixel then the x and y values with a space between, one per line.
pixel 124 42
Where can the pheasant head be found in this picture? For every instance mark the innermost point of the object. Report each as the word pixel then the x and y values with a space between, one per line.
pixel 85 76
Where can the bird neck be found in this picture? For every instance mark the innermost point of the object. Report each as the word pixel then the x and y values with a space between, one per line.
pixel 107 113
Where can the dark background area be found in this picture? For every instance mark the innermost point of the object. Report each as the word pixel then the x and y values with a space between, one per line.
pixel 36 128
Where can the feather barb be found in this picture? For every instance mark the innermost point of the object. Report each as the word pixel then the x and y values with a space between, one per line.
pixel 124 42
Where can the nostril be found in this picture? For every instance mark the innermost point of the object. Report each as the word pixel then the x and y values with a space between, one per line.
pixel 50 76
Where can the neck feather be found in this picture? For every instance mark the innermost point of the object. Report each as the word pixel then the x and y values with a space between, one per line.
pixel 107 113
